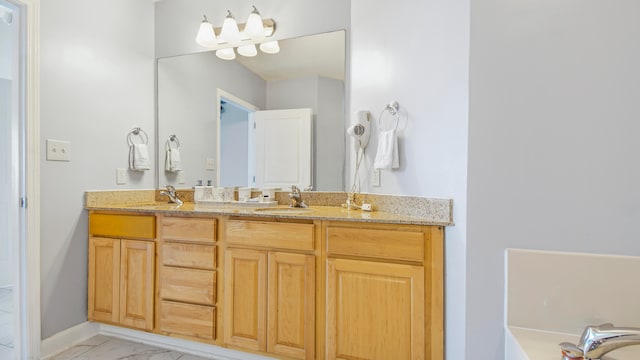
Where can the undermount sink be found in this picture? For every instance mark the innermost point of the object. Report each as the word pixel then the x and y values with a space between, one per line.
pixel 284 210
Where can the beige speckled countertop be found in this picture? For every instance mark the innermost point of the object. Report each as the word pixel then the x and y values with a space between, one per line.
pixel 424 211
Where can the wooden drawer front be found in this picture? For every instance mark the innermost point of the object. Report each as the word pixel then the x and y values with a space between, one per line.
pixel 128 226
pixel 376 243
pixel 188 285
pixel 189 229
pixel 273 235
pixel 189 255
pixel 188 320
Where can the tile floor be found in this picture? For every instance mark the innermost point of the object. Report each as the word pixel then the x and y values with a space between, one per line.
pixel 102 347
pixel 6 320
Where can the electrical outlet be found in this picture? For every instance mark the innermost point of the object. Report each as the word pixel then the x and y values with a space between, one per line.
pixel 58 150
pixel 121 174
pixel 375 178
pixel 210 164
pixel 181 177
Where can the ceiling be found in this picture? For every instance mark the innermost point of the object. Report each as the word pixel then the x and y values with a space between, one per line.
pixel 321 55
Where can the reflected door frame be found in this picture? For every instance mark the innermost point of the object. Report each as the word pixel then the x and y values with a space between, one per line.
pixel 220 94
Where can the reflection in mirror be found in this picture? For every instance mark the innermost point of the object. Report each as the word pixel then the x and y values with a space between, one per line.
pixel 193 89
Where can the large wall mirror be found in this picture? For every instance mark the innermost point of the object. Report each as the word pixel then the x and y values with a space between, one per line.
pixel 206 107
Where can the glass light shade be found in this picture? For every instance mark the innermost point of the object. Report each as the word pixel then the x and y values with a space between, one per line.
pixel 230 33
pixel 270 47
pixel 206 37
pixel 226 54
pixel 254 28
pixel 247 50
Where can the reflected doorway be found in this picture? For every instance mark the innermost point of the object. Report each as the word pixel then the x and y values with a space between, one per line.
pixel 236 145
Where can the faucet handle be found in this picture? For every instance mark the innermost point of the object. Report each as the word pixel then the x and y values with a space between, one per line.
pixel 570 351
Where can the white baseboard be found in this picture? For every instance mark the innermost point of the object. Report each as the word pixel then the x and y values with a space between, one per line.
pixel 67 338
pixel 180 345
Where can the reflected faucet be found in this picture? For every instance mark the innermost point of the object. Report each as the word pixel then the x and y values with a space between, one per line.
pixel 171 193
pixel 596 341
pixel 295 198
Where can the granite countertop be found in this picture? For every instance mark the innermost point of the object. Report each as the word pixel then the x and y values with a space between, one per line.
pixel 280 211
pixel 388 209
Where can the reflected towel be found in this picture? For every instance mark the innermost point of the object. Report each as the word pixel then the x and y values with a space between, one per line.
pixel 387 154
pixel 172 162
pixel 139 154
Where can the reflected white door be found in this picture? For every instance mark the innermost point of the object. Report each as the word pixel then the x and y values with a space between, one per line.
pixel 283 141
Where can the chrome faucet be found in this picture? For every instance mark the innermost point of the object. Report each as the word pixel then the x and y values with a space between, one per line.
pixel 171 193
pixel 295 198
pixel 596 341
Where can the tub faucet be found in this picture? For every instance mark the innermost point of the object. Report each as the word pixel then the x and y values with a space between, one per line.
pixel 295 198
pixel 171 193
pixel 596 341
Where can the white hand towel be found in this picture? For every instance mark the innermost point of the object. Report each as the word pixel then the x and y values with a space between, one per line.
pixel 387 154
pixel 172 162
pixel 140 157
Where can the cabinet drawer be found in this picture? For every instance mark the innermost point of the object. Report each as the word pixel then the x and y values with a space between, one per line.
pixel 376 243
pixel 189 255
pixel 188 320
pixel 267 234
pixel 189 229
pixel 188 285
pixel 117 225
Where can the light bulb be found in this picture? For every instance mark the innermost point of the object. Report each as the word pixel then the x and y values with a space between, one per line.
pixel 247 50
pixel 230 33
pixel 226 54
pixel 270 47
pixel 206 37
pixel 254 28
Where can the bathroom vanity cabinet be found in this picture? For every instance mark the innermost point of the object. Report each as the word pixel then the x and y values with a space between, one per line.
pixel 285 287
pixel 383 297
pixel 187 277
pixel 121 269
pixel 269 287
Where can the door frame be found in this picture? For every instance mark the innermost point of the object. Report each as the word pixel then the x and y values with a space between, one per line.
pixel 27 275
pixel 234 99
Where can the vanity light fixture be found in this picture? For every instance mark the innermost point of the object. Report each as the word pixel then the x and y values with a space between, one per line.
pixel 254 28
pixel 230 32
pixel 247 50
pixel 206 37
pixel 270 47
pixel 244 37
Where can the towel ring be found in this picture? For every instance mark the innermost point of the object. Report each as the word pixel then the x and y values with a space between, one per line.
pixel 394 109
pixel 137 132
pixel 174 139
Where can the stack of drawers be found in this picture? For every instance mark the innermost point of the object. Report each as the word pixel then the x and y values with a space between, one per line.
pixel 187 277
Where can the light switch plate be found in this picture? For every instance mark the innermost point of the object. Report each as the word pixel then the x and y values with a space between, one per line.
pixel 121 176
pixel 58 150
pixel 375 178
pixel 210 164
pixel 181 177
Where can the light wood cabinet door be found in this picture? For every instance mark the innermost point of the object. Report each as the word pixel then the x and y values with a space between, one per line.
pixel 291 305
pixel 104 279
pixel 375 310
pixel 137 276
pixel 245 286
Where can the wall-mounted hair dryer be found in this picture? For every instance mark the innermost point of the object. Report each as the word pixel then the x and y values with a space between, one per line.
pixel 361 130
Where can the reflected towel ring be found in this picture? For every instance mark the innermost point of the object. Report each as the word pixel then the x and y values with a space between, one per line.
pixel 139 133
pixel 173 139
pixel 394 109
